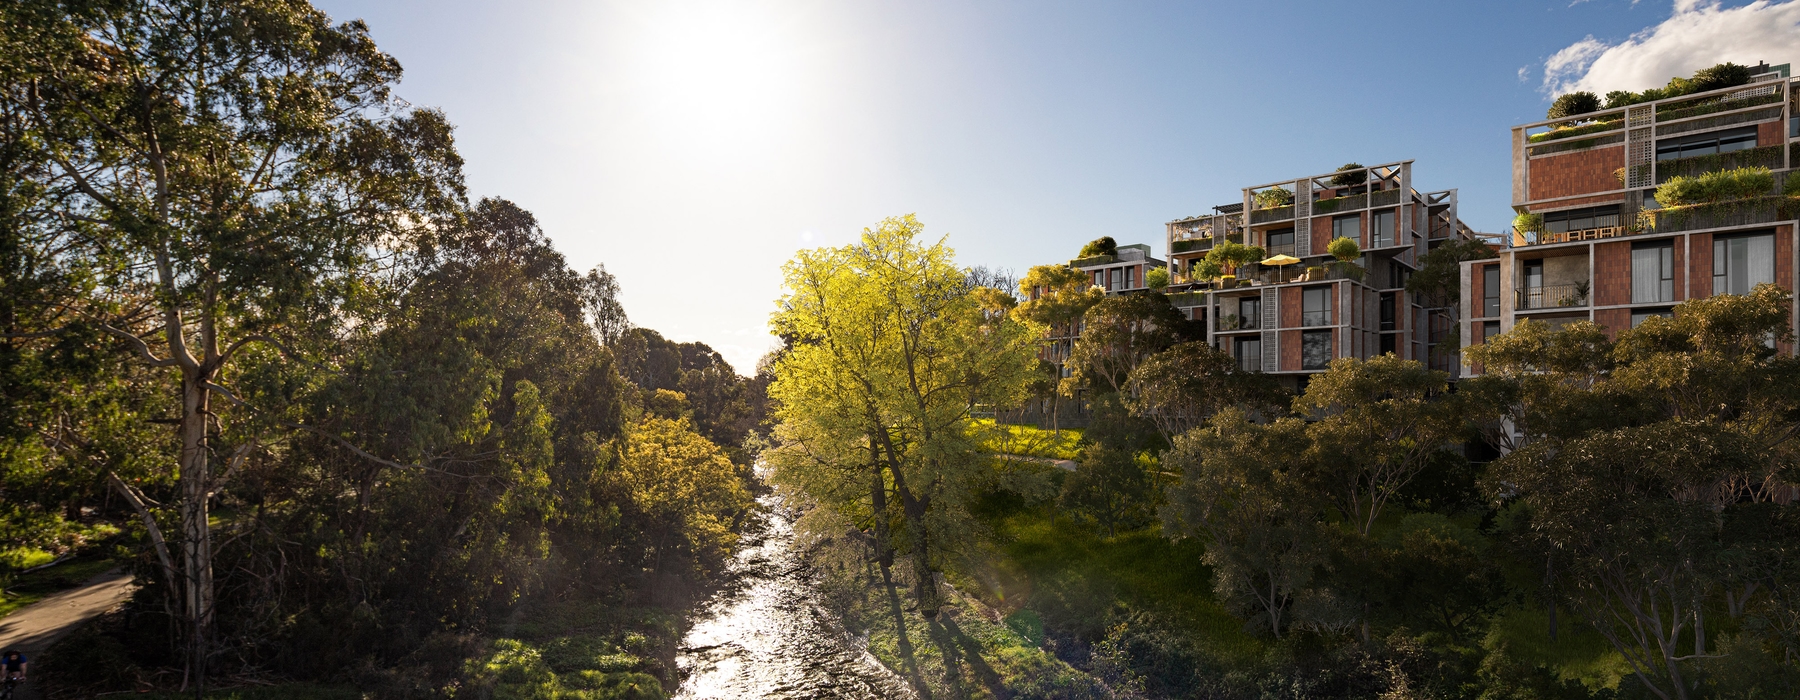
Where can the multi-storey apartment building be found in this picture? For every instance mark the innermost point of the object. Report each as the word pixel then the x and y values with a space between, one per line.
pixel 1121 272
pixel 1294 320
pixel 1596 245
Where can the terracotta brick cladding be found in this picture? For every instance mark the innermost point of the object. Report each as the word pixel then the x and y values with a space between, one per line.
pixel 1614 320
pixel 1290 350
pixel 1575 173
pixel 1784 257
pixel 1612 273
pixel 1770 134
pixel 1700 272
pixel 1290 307
pixel 1579 202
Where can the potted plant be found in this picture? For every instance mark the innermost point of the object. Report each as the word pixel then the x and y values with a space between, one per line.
pixel 1346 252
pixel 1272 197
pixel 1157 278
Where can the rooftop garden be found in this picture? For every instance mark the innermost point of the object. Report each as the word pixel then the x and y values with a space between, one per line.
pixel 1724 197
pixel 1572 106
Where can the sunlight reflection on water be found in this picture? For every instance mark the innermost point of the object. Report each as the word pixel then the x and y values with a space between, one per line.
pixel 767 637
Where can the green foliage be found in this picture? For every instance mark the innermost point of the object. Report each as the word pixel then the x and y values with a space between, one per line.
pixel 1104 245
pixel 1272 197
pixel 1344 249
pixel 1528 222
pixel 1350 175
pixel 1157 278
pixel 1231 255
pixel 1718 186
pixel 1716 77
pixel 1206 269
pixel 1570 131
pixel 1119 332
pixel 1108 487
pixel 1572 105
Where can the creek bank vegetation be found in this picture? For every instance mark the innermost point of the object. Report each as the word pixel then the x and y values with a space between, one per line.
pixel 345 425
pixel 1222 538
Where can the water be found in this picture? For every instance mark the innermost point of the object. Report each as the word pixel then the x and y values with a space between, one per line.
pixel 768 637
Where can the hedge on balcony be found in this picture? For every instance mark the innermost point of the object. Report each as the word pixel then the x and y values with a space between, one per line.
pixel 1767 158
pixel 1715 105
pixel 1092 260
pixel 1190 244
pixel 1716 186
pixel 1573 131
pixel 1742 212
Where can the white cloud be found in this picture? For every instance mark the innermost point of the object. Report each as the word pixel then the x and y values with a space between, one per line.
pixel 1699 33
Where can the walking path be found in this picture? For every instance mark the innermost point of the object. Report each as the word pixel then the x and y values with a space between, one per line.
pixel 33 628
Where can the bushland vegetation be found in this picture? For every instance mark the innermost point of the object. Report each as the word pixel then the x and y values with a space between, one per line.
pixel 346 425
pixel 1222 538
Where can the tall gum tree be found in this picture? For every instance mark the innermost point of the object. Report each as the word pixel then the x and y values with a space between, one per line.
pixel 235 174
pixel 891 351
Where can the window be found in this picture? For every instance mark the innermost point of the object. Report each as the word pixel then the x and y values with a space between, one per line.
pixel 1650 203
pixel 1387 312
pixel 1389 341
pixel 1706 144
pixel 1652 272
pixel 1249 353
pixel 1489 330
pixel 1100 279
pixel 1490 291
pixel 1742 262
pixel 1638 315
pixel 1281 242
pixel 1315 349
pixel 1381 229
pixel 1347 227
pixel 1130 278
pixel 1315 306
pixel 1113 278
pixel 1581 219
pixel 1249 312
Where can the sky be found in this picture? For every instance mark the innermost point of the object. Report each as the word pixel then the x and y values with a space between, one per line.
pixel 692 146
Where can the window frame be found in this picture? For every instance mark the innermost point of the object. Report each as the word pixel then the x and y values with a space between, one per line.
pixel 1721 264
pixel 1663 274
pixel 1237 350
pixel 1306 342
pixel 1384 236
pixel 1315 306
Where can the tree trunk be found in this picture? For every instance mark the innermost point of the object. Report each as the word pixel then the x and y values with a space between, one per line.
pixel 884 550
pixel 196 530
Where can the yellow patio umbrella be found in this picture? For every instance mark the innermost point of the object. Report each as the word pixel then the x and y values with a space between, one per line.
pixel 1280 261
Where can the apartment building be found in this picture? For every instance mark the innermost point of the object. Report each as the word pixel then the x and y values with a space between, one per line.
pixel 1293 320
pixel 1594 243
pixel 1121 272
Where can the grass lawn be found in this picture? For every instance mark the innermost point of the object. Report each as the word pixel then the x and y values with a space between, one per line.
pixel 1089 572
pixel 1031 441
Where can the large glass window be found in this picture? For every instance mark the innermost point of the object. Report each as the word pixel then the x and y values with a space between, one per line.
pixel 1249 353
pixel 1347 227
pixel 1489 330
pixel 1653 272
pixel 1381 229
pixel 1581 219
pixel 1315 349
pixel 1249 312
pixel 1112 278
pixel 1706 144
pixel 1387 312
pixel 1742 262
pixel 1390 342
pixel 1315 305
pixel 1130 278
pixel 1281 242
pixel 1490 291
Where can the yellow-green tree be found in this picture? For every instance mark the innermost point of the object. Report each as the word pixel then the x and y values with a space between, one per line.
pixel 890 353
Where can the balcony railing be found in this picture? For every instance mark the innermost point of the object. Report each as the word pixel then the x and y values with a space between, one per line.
pixel 1190 245
pixel 1746 212
pixel 1553 296
pixel 1586 234
pixel 1272 214
pixel 1766 157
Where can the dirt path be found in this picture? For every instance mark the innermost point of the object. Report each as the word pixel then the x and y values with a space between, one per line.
pixel 33 628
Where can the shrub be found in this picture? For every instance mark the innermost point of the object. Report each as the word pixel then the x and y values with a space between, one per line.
pixel 1723 75
pixel 1104 245
pixel 1530 223
pixel 1350 175
pixel 1204 270
pixel 1718 186
pixel 1573 104
pixel 1276 196
pixel 1344 249
pixel 1157 278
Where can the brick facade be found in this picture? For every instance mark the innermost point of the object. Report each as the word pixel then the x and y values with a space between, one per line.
pixel 1612 273
pixel 1575 173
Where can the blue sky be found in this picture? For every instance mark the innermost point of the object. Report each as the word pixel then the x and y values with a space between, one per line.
pixel 692 147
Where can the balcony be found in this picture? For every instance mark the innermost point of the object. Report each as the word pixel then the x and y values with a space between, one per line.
pixel 1281 213
pixel 1553 296
pixel 1745 212
pixel 1191 245
pixel 1765 157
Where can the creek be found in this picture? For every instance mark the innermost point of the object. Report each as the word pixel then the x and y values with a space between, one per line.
pixel 768 635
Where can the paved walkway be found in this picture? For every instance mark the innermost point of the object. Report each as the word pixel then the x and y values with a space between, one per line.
pixel 1067 465
pixel 33 628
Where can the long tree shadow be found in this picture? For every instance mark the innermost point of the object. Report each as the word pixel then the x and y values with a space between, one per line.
pixel 954 645
pixel 910 664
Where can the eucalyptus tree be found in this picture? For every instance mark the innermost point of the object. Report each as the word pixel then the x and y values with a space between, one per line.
pixel 889 354
pixel 234 175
